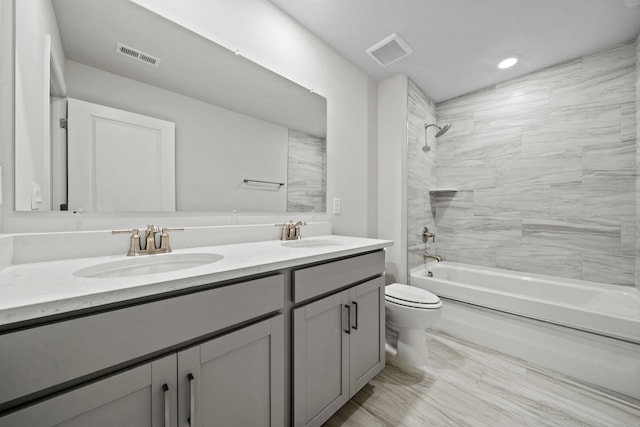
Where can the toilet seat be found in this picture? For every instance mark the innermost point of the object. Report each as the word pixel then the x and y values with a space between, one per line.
pixel 411 296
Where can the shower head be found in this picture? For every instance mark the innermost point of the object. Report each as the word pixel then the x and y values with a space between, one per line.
pixel 441 131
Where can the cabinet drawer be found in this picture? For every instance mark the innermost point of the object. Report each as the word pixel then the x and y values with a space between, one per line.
pixel 321 279
pixel 35 359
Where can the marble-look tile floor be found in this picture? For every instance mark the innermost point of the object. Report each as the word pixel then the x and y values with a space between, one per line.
pixel 467 385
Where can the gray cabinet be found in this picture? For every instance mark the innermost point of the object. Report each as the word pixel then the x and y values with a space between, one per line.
pixel 130 362
pixel 366 343
pixel 227 354
pixel 320 359
pixel 59 353
pixel 142 396
pixel 234 380
pixel 338 346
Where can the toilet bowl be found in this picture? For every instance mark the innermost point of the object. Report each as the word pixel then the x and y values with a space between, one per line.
pixel 408 312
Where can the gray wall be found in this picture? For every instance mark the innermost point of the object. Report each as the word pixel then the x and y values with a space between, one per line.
pixel 306 173
pixel 638 162
pixel 545 167
pixel 421 172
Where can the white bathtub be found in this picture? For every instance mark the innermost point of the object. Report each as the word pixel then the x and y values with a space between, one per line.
pixel 587 330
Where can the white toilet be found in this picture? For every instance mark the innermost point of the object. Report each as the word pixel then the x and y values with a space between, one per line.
pixel 409 311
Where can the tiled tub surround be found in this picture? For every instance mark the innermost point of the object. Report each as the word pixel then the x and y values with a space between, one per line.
pixel 42 283
pixel 545 167
pixel 637 161
pixel 588 330
pixel 306 173
pixel 421 169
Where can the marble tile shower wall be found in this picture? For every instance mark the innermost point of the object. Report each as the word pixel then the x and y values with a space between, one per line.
pixel 306 173
pixel 421 172
pixel 638 162
pixel 545 167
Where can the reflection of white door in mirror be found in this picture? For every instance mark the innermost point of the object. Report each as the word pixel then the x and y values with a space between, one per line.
pixel 119 161
pixel 58 110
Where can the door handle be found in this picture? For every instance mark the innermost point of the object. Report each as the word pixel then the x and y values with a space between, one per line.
pixel 192 400
pixel 167 406
pixel 348 330
pixel 355 306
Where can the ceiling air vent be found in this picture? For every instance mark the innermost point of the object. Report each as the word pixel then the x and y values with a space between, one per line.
pixel 389 50
pixel 137 54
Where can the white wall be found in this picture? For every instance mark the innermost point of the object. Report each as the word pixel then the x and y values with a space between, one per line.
pixel 6 107
pixel 215 148
pixel 262 33
pixel 392 181
pixel 265 35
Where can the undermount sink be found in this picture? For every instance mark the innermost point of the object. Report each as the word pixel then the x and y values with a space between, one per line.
pixel 311 243
pixel 147 264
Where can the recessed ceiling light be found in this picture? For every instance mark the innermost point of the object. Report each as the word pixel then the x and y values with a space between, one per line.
pixel 508 62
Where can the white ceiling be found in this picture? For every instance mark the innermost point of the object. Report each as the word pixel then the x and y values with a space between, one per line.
pixel 457 43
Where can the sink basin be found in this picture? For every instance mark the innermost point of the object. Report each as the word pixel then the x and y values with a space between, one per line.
pixel 147 264
pixel 311 243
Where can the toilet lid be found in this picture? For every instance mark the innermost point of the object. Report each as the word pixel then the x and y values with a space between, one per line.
pixel 409 295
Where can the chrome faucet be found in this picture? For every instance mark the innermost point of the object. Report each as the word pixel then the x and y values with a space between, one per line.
pixel 291 230
pixel 426 255
pixel 426 235
pixel 135 244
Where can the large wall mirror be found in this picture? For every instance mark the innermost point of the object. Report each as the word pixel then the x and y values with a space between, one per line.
pixel 120 110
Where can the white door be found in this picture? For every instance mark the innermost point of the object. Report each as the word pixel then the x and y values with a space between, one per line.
pixel 58 110
pixel 119 161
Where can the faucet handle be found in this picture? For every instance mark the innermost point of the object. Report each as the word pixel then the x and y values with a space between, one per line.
pixel 134 243
pixel 287 229
pixel 296 229
pixel 129 231
pixel 164 238
pixel 426 235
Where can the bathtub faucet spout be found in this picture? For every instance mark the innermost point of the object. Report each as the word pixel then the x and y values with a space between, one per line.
pixel 427 256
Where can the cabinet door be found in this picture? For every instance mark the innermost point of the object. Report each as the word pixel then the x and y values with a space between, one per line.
pixel 367 333
pixel 142 396
pixel 320 359
pixel 234 380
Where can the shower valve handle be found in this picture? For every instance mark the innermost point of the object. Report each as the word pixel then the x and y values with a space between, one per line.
pixel 426 235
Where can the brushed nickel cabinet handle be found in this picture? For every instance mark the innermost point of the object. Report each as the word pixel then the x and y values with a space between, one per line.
pixel 348 307
pixel 355 306
pixel 167 406
pixel 192 399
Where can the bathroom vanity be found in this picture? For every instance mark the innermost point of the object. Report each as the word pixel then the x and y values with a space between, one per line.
pixel 269 333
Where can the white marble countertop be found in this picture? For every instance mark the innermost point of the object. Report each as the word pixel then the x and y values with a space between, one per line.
pixel 40 289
